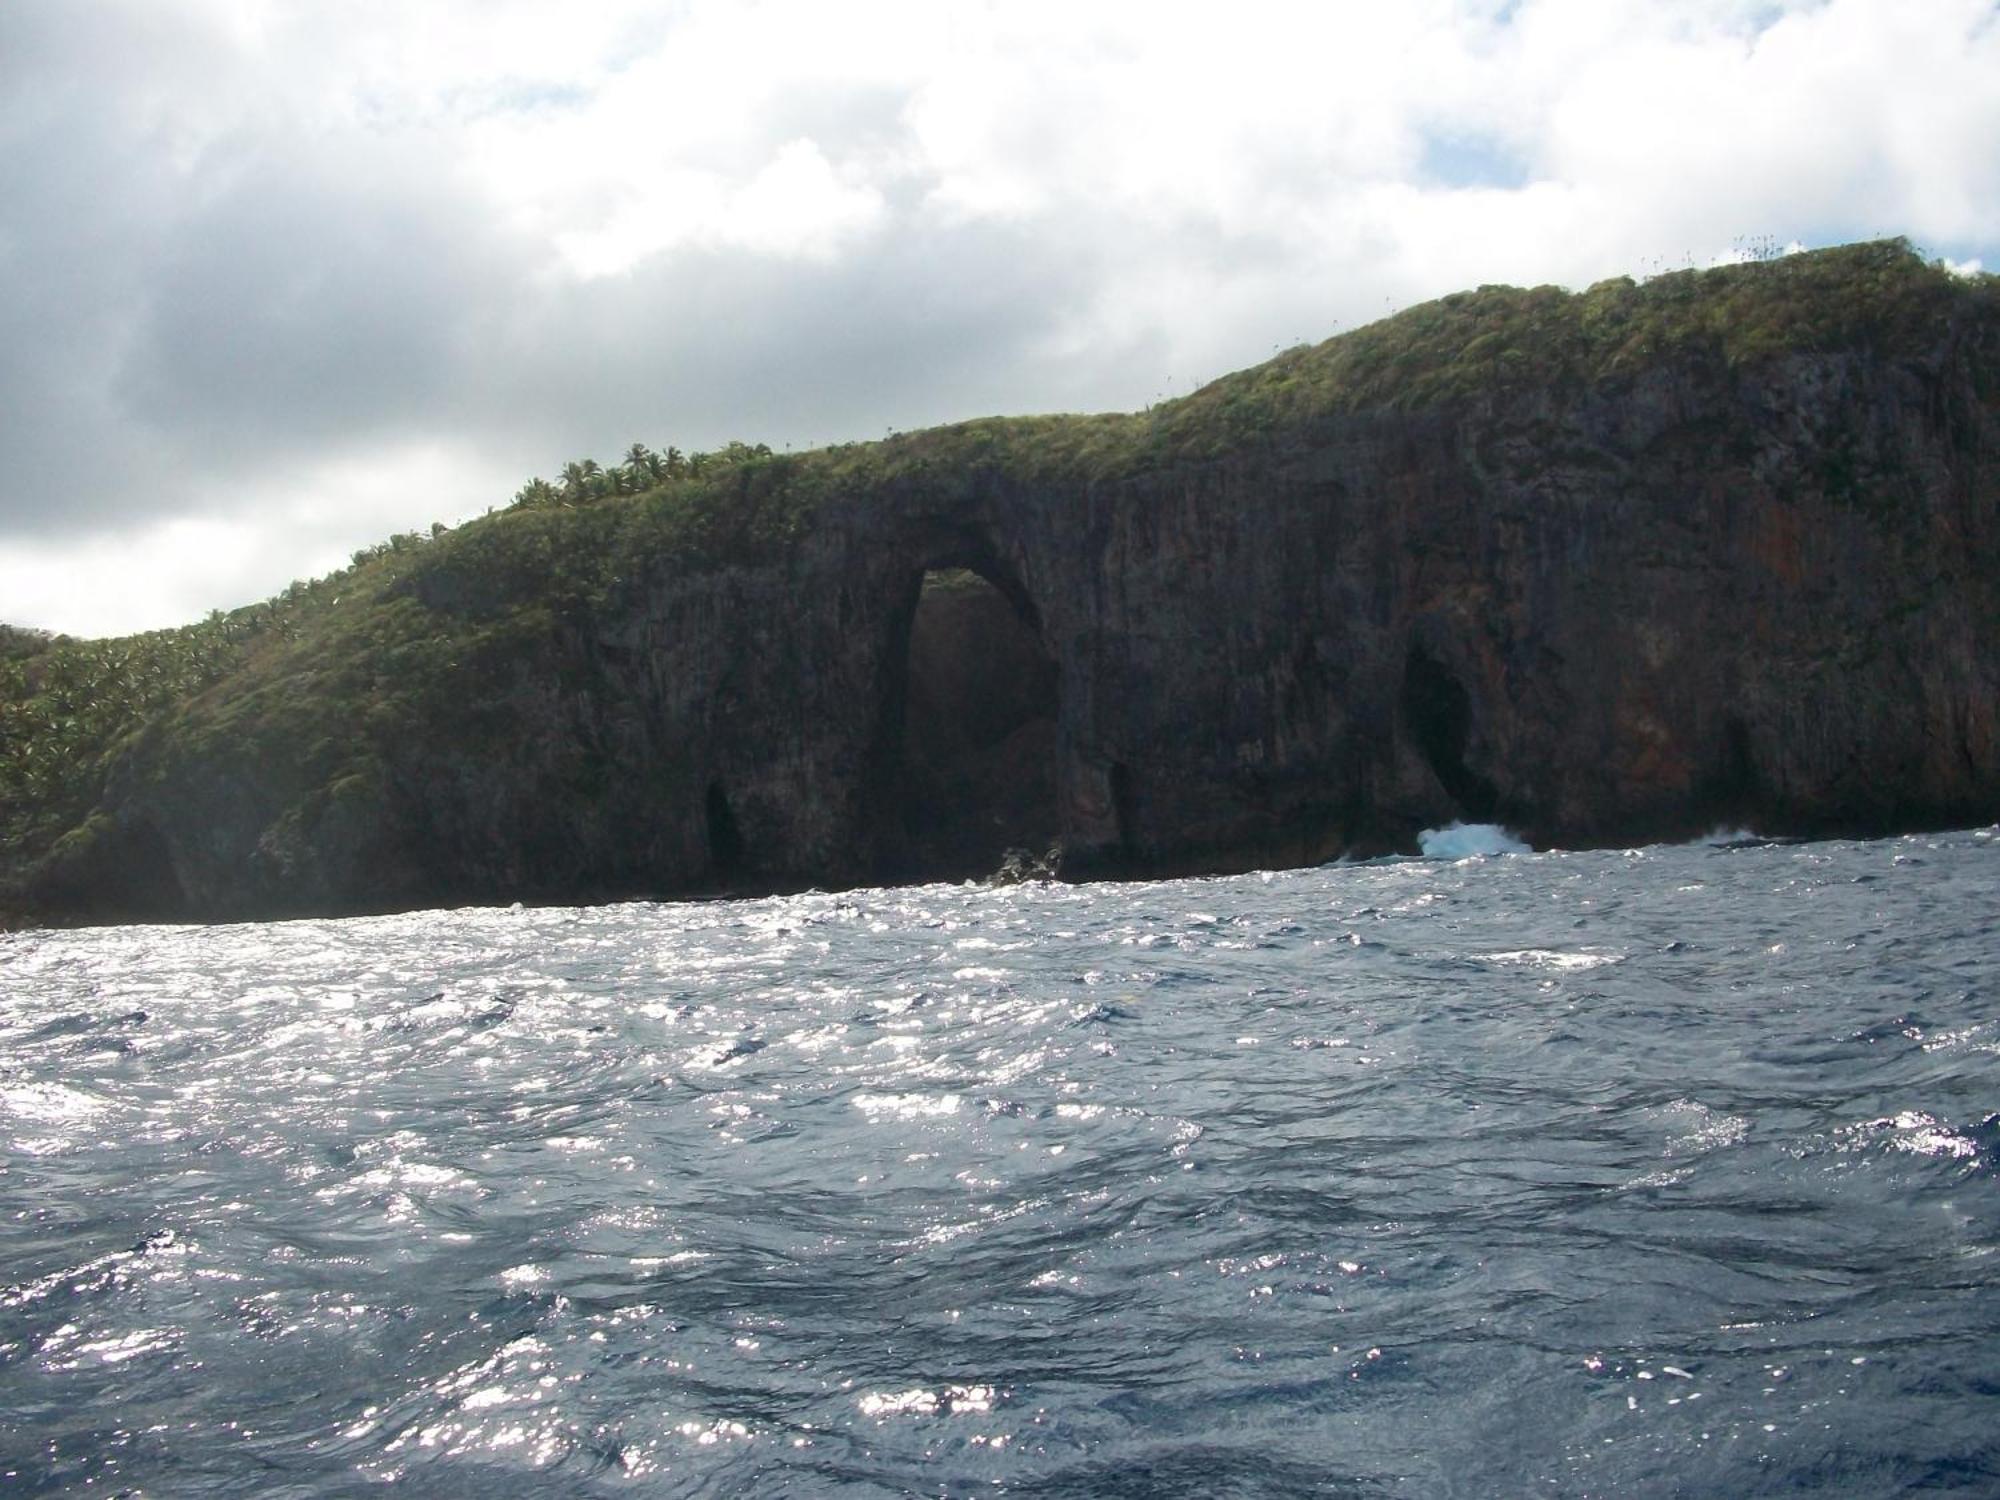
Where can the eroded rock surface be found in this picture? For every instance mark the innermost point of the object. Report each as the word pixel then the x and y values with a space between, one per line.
pixel 1606 610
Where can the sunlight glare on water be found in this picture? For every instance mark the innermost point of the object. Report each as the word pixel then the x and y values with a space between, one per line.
pixel 1654 1172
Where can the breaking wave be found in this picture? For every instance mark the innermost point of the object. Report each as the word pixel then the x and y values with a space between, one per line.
pixel 1469 840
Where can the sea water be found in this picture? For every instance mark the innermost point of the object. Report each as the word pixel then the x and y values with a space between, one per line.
pixel 1661 1172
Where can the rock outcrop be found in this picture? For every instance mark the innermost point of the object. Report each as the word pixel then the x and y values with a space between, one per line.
pixel 1620 588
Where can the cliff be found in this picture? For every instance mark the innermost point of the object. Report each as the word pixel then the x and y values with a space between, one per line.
pixel 1605 567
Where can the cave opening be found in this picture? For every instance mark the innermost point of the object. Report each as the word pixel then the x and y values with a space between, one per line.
pixel 1734 788
pixel 1438 713
pixel 725 840
pixel 975 765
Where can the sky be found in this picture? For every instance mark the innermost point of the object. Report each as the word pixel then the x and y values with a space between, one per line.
pixel 281 277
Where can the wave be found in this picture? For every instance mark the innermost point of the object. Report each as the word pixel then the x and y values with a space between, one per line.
pixel 1720 837
pixel 1466 840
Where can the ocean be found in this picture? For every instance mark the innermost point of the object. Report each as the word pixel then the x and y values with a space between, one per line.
pixel 1658 1172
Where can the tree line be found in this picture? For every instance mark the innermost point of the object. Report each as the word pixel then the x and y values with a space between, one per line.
pixel 66 703
pixel 584 480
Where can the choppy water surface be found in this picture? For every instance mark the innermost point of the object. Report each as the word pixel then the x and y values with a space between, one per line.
pixel 1669 1172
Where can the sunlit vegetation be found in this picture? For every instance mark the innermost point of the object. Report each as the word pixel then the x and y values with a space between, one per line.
pixel 1486 345
pixel 427 633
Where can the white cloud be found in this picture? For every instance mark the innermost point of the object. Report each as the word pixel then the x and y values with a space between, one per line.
pixel 797 207
pixel 320 239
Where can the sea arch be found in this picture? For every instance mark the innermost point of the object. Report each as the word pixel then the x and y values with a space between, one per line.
pixel 965 767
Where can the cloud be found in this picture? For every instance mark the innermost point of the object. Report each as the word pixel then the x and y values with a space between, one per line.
pixel 280 276
pixel 310 293
pixel 798 206
pixel 142 574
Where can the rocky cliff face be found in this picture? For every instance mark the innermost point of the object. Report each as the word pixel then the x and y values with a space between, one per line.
pixel 1602 608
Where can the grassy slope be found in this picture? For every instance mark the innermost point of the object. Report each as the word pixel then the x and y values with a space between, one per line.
pixel 295 678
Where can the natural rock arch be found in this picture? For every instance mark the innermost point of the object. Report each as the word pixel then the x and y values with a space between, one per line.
pixel 965 766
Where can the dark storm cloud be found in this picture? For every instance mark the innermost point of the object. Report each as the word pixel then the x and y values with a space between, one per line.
pixel 184 311
pixel 311 296
pixel 77 217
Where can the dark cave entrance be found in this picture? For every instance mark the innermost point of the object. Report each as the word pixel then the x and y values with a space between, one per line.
pixel 1438 713
pixel 974 738
pixel 1734 788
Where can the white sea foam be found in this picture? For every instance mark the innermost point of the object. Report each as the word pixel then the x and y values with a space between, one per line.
pixel 1464 840
pixel 1549 958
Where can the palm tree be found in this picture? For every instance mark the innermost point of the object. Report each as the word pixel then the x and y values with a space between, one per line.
pixel 579 480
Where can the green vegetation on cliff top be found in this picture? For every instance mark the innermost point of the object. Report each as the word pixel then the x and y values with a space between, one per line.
pixel 318 676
